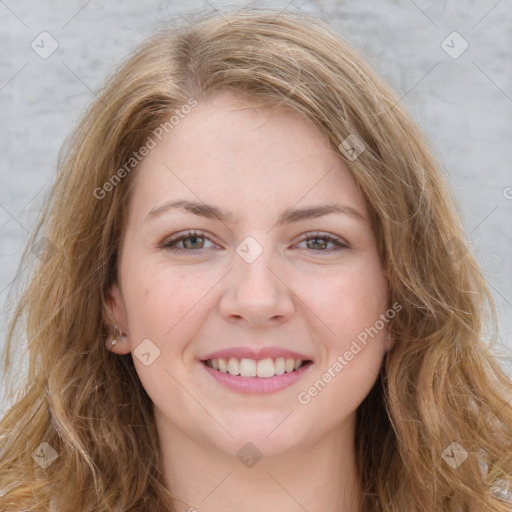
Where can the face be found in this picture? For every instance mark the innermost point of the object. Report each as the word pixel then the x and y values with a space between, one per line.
pixel 272 280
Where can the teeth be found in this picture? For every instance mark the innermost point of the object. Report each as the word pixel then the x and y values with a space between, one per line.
pixel 248 368
pixel 233 366
pixel 223 367
pixel 279 366
pixel 265 368
pixel 289 365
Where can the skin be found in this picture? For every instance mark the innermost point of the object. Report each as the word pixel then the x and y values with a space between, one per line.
pixel 256 163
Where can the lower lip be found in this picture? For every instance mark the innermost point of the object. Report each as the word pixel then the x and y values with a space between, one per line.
pixel 258 385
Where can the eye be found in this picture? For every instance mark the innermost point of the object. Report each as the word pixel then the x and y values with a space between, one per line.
pixel 191 240
pixel 318 242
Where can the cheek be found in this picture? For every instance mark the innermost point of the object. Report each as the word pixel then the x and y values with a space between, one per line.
pixel 162 305
pixel 160 295
pixel 163 302
pixel 351 304
pixel 348 301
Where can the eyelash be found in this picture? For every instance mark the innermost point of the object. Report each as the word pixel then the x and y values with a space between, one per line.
pixel 170 244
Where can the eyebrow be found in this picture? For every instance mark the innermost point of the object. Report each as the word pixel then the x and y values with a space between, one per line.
pixel 289 216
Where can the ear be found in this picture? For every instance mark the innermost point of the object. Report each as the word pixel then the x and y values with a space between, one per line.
pixel 117 312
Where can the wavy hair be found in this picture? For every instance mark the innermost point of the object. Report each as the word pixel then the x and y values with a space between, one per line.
pixel 441 383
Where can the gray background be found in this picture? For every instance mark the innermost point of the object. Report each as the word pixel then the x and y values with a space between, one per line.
pixel 464 104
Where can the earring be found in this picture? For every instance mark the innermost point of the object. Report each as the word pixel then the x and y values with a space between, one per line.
pixel 389 338
pixel 118 335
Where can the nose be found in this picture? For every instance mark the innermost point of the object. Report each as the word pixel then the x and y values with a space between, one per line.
pixel 256 294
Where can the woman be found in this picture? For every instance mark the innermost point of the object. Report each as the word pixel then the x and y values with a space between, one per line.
pixel 255 295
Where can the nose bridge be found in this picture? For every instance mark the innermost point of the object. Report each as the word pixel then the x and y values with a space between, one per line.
pixel 253 267
pixel 254 291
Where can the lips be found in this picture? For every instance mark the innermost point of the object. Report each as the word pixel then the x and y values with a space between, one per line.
pixel 238 375
pixel 265 363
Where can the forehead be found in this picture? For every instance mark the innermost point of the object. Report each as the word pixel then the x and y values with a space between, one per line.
pixel 233 153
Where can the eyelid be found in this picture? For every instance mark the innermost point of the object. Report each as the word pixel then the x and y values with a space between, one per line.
pixel 177 237
pixel 341 242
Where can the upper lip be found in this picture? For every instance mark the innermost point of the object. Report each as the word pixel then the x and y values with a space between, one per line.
pixel 260 353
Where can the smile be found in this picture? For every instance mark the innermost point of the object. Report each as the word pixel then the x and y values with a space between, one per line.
pixel 263 368
pixel 251 376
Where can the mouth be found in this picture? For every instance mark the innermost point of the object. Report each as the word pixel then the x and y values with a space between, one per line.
pixel 262 368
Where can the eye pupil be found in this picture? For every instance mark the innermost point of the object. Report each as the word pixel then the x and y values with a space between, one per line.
pixel 323 242
pixel 187 244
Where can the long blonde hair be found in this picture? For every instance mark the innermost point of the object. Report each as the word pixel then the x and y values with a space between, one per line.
pixel 439 385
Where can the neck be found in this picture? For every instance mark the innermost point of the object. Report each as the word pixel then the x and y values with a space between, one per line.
pixel 319 477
